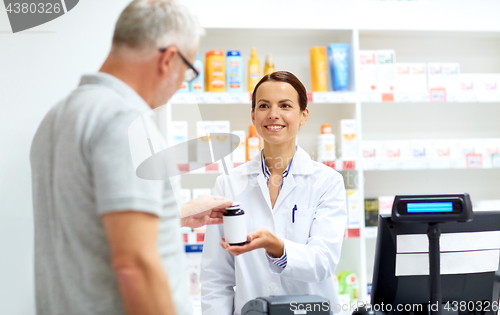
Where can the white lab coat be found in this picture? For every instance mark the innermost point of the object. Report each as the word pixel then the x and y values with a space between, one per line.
pixel 312 243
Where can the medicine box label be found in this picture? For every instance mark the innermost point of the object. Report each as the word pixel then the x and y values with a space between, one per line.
pixel 386 70
pixel 367 81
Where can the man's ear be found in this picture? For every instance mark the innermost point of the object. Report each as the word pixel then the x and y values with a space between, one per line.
pixel 166 58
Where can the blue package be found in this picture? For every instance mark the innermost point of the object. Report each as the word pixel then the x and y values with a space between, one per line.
pixel 338 61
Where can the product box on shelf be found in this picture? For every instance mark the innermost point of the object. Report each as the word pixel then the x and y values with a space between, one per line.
pixel 445 153
pixel 435 81
pixel 419 78
pixel 179 134
pixel 367 81
pixel 348 139
pixel 221 138
pixel 411 82
pixel 193 262
pixel 238 155
pixel 397 154
pixel 326 147
pixel 403 78
pixel 472 151
pixel 488 88
pixel 385 204
pixel 386 70
pixel 491 152
pixel 451 78
pixel 371 212
pixel 372 153
pixel 353 208
pixel 420 154
pixel 203 130
pixel 469 87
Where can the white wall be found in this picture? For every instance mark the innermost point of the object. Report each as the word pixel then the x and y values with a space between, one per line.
pixel 40 66
pixel 478 15
pixel 37 68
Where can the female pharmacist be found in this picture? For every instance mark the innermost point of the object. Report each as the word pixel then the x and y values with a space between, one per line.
pixel 294 206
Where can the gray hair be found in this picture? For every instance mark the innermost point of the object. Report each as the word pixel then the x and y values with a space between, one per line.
pixel 153 24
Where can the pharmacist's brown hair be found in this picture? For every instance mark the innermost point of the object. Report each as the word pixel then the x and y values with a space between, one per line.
pixel 288 77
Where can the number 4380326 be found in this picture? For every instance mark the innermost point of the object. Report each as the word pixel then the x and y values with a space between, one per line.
pixel 34 8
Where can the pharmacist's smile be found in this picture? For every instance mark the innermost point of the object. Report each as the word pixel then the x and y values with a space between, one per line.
pixel 274 127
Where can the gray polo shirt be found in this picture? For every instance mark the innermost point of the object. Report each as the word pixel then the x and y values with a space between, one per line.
pixel 82 168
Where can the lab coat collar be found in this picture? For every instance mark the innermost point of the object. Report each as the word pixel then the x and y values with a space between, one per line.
pixel 302 164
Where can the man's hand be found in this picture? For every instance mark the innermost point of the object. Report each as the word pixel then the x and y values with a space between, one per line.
pixel 260 238
pixel 204 210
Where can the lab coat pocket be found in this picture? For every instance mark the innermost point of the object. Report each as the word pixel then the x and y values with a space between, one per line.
pixel 299 225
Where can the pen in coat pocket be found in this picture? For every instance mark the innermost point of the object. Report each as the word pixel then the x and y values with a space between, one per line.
pixel 293 213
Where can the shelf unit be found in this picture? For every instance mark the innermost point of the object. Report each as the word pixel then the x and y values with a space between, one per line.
pixel 407 117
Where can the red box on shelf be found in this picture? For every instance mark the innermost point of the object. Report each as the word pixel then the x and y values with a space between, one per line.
pixel 183 168
pixel 329 164
pixel 387 97
pixel 309 97
pixel 348 165
pixel 214 167
pixel 353 233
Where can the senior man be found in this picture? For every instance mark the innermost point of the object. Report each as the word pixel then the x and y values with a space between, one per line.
pixel 106 241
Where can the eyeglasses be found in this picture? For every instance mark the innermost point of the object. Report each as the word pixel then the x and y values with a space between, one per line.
pixel 191 73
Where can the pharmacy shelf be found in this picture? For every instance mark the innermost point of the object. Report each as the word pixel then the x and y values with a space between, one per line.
pixel 427 98
pixel 246 98
pixel 336 98
pixel 196 168
pixel 474 162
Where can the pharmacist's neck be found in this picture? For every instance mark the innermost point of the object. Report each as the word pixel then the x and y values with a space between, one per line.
pixel 278 156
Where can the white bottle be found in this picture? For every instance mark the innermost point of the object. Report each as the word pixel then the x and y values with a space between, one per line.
pixel 326 144
pixel 235 228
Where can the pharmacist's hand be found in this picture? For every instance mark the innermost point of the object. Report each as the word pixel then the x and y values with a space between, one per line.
pixel 260 238
pixel 204 210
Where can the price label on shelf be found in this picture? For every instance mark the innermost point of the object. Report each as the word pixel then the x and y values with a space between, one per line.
pixel 338 98
pixel 495 160
pixel 474 160
pixel 438 95
pixel 402 97
pixel 467 97
pixel 419 98
pixel 200 98
pixel 239 98
pixel 219 98
pixel 371 97
pixel 319 97
pixel 488 97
